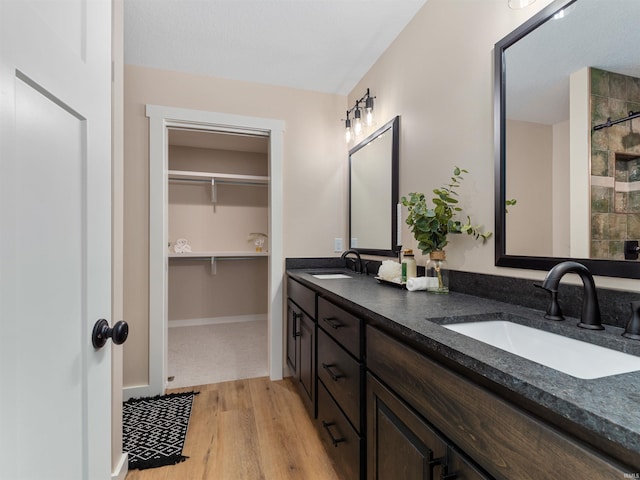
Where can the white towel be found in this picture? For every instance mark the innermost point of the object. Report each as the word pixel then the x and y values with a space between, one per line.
pixel 182 246
pixel 421 283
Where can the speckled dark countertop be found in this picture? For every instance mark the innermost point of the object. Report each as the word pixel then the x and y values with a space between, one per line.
pixel 603 412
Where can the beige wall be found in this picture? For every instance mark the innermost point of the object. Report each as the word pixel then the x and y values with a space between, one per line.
pixel 238 287
pixel 561 194
pixel 438 75
pixel 315 162
pixel 529 222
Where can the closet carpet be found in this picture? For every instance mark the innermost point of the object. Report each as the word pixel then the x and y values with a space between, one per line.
pixel 207 354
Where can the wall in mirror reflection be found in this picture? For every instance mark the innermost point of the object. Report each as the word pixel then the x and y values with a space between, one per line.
pixel 548 168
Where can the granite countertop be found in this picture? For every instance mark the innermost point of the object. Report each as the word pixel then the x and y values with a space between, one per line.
pixel 604 412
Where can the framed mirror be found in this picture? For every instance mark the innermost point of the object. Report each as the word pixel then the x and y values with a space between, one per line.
pixel 567 142
pixel 373 192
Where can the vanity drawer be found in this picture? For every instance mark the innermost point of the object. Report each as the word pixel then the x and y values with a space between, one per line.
pixel 304 297
pixel 340 440
pixel 341 375
pixel 342 326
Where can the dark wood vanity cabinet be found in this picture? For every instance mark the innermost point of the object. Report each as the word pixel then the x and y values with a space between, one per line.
pixel 301 341
pixel 504 441
pixel 340 368
pixel 400 444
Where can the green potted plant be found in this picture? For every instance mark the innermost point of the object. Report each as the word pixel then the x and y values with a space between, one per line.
pixel 432 224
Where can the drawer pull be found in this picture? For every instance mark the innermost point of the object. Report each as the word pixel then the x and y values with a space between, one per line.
pixel 296 316
pixel 333 323
pixel 334 377
pixel 334 440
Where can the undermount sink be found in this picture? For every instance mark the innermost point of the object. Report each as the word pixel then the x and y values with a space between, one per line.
pixel 329 276
pixel 573 357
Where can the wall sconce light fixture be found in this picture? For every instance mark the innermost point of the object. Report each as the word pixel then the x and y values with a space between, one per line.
pixel 356 110
pixel 518 4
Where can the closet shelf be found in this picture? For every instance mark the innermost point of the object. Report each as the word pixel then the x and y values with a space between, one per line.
pixel 247 254
pixel 215 179
pixel 215 256
pixel 206 177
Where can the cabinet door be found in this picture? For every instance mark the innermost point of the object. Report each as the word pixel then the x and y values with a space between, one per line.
pixel 458 467
pixel 306 359
pixel 399 443
pixel 293 332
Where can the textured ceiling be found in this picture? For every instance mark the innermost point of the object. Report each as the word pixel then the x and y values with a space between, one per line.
pixel 593 33
pixel 320 45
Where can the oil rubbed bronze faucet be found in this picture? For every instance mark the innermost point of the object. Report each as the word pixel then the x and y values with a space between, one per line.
pixel 590 317
pixel 357 265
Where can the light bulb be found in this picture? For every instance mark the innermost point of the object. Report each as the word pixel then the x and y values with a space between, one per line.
pixel 369 109
pixel 358 126
pixel 358 119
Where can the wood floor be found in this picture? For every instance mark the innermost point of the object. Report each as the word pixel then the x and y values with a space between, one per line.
pixel 247 430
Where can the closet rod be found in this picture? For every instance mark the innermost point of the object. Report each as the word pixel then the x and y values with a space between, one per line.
pixel 218 182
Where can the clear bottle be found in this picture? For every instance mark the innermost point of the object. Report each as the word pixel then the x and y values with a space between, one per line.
pixel 409 269
pixel 438 270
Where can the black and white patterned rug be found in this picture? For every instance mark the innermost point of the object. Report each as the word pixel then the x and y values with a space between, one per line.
pixel 154 429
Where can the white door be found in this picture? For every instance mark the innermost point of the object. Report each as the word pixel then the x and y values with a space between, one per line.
pixel 55 238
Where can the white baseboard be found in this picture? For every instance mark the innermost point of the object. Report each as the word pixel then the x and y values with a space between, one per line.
pixel 139 391
pixel 195 322
pixel 120 472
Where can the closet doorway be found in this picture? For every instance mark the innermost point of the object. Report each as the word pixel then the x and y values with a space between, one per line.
pixel 215 295
pixel 218 222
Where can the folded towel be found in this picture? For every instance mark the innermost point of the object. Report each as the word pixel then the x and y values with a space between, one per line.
pixel 182 246
pixel 421 283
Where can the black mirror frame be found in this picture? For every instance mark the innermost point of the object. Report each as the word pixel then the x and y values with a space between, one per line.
pixel 608 268
pixel 394 125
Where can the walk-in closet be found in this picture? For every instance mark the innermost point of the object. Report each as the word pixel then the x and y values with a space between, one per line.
pixel 218 249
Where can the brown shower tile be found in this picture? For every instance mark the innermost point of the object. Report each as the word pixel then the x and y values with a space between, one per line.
pixel 633 225
pixel 599 82
pixel 599 226
pixel 601 199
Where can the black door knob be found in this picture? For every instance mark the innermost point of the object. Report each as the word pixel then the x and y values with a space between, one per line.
pixel 102 331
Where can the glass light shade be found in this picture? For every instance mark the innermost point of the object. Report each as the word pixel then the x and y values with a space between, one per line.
pixel 358 122
pixel 347 131
pixel 518 4
pixel 369 118
pixel 358 127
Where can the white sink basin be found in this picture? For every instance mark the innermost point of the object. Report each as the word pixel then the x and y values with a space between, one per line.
pixel 573 357
pixel 330 276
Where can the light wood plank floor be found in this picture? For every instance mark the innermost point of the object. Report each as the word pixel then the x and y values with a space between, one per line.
pixel 247 430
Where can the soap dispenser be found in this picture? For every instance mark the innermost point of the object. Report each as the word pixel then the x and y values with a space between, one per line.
pixel 633 327
pixel 409 269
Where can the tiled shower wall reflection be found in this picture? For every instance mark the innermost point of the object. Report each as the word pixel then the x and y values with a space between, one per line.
pixel 615 164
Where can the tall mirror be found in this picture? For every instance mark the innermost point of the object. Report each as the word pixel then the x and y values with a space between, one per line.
pixel 373 192
pixel 567 91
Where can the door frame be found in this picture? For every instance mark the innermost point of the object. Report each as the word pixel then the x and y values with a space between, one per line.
pixel 161 118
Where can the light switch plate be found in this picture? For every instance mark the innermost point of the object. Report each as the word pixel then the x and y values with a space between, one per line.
pixel 337 244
